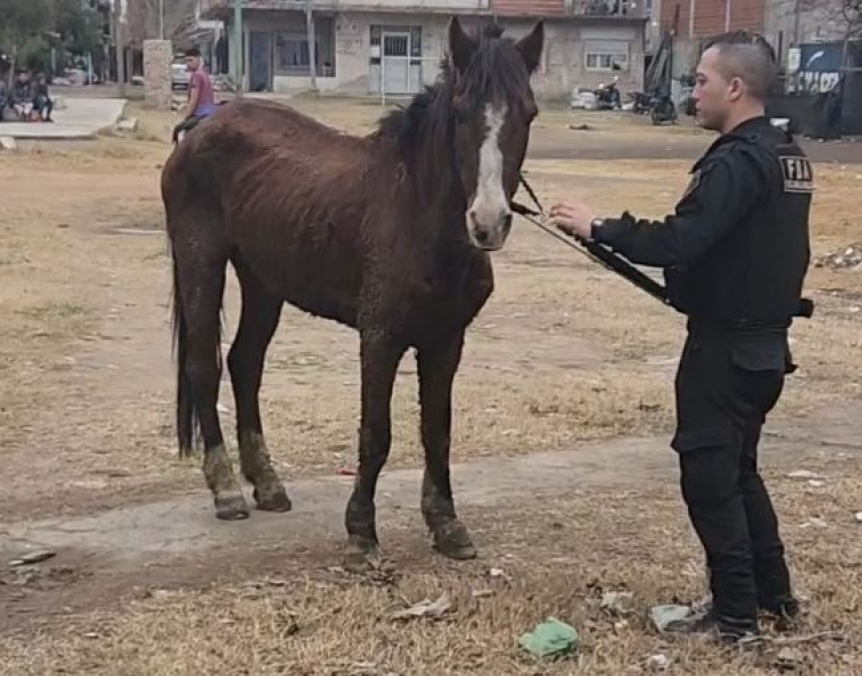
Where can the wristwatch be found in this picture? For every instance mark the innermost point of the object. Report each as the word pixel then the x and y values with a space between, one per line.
pixel 595 224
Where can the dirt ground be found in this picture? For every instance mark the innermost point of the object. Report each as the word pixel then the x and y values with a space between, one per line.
pixel 563 409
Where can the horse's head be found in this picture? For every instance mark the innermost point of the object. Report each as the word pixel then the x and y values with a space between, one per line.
pixel 493 106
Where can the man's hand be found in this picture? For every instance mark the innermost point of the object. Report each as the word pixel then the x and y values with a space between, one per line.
pixel 573 219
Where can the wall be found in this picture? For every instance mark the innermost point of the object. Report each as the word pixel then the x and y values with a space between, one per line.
pixel 709 18
pixel 562 67
pixel 785 27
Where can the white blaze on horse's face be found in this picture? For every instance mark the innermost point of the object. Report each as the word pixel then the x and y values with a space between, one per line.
pixel 489 216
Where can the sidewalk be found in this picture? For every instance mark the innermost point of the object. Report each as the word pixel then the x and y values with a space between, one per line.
pixel 80 118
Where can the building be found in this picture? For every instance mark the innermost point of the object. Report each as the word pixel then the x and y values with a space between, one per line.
pixel 790 23
pixel 693 21
pixel 363 46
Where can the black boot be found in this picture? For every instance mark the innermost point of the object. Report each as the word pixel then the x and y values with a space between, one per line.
pixel 731 630
pixel 785 608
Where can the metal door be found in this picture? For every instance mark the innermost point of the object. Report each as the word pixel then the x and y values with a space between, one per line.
pixel 260 48
pixel 394 61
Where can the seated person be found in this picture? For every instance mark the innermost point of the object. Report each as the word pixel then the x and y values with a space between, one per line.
pixel 4 96
pixel 201 98
pixel 22 96
pixel 42 103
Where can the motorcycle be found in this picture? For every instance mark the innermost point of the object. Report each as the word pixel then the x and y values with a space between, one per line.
pixel 640 102
pixel 608 96
pixel 662 109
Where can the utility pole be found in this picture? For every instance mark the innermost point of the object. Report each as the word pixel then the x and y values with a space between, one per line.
pixel 312 56
pixel 237 46
pixel 161 19
pixel 120 48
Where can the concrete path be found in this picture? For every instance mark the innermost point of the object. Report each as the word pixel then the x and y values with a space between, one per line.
pixel 80 118
pixel 186 525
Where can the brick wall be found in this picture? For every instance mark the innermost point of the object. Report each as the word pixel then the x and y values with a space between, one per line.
pixel 709 16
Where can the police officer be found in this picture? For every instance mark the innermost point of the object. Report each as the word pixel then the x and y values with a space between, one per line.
pixel 735 255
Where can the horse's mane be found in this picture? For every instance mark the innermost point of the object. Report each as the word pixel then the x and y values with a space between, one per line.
pixel 494 74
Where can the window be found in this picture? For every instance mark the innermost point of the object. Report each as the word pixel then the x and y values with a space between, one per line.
pixel 607 55
pixel 292 52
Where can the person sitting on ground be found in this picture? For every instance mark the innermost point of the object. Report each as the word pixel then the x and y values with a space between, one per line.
pixel 22 96
pixel 4 96
pixel 201 101
pixel 42 103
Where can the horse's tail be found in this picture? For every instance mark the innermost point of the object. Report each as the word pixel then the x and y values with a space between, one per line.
pixel 187 419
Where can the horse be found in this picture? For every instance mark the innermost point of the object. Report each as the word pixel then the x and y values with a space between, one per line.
pixel 389 234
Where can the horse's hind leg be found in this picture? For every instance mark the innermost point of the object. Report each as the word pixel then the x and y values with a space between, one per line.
pixel 258 321
pixel 437 364
pixel 200 286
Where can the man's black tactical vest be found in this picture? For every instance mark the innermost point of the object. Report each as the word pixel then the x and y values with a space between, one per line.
pixel 751 281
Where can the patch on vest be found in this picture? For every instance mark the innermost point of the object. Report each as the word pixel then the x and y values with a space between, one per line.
pixel 798 176
pixel 692 185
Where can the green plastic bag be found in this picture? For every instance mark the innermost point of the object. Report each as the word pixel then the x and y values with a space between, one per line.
pixel 551 639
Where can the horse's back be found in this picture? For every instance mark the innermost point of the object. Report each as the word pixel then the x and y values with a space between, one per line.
pixel 290 199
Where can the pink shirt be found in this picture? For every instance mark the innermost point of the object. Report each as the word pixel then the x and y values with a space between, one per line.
pixel 206 101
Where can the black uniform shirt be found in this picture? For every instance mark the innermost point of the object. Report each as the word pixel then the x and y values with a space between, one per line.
pixel 725 186
pixel 737 244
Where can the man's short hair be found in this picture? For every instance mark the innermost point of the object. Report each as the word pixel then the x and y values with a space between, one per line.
pixel 194 51
pixel 747 56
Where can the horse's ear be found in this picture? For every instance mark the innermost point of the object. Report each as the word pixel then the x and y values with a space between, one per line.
pixel 461 45
pixel 531 46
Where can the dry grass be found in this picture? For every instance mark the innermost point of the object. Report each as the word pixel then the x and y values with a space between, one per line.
pixel 558 556
pixel 563 351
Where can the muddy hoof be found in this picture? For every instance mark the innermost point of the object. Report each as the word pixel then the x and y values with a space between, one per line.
pixel 273 500
pixel 453 541
pixel 231 507
pixel 363 553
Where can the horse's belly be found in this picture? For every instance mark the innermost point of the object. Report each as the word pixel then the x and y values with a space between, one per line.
pixel 316 280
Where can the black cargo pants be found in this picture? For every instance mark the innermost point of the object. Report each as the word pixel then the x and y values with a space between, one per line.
pixel 725 386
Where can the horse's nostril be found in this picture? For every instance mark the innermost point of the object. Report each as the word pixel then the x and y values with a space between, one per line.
pixel 507 221
pixel 474 221
pixel 481 236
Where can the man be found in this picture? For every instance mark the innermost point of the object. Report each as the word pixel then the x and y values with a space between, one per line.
pixel 735 254
pixel 42 103
pixel 22 96
pixel 4 95
pixel 201 98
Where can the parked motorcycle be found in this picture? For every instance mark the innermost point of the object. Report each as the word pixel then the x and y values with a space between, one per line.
pixel 662 109
pixel 608 96
pixel 641 102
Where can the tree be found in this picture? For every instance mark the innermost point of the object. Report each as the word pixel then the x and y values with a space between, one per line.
pixel 31 27
pixel 844 15
pixel 79 26
pixel 22 31
pixel 143 19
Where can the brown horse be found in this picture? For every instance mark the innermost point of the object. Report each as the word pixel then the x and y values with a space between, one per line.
pixel 388 234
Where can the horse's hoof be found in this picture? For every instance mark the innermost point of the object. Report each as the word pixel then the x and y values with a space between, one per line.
pixel 231 507
pixel 275 500
pixel 453 541
pixel 364 552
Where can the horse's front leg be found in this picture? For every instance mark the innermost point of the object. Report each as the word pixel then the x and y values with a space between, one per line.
pixel 379 356
pixel 437 365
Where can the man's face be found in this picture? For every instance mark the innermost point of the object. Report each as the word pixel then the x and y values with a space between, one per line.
pixel 193 63
pixel 714 95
